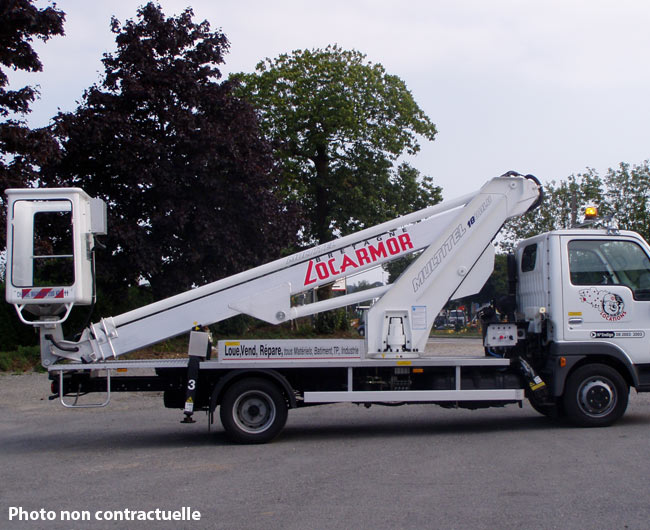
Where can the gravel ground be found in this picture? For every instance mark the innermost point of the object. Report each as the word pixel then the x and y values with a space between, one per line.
pixel 444 347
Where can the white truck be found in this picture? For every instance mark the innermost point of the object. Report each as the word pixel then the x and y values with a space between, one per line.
pixel 457 318
pixel 571 336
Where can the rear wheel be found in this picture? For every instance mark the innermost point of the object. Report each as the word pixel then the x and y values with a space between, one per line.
pixel 253 411
pixel 596 396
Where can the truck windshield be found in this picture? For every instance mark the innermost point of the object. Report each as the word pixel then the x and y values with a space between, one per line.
pixel 612 262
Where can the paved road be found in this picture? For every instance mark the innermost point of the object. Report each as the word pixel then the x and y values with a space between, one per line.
pixel 334 467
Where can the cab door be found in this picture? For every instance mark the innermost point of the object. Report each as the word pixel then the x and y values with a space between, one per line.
pixel 606 292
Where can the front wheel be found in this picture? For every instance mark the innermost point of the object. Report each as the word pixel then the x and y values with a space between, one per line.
pixel 550 409
pixel 253 411
pixel 596 395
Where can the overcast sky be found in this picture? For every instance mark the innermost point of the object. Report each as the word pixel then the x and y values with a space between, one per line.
pixel 544 87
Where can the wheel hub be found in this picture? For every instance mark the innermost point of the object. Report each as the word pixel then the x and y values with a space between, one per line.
pixel 254 412
pixel 597 397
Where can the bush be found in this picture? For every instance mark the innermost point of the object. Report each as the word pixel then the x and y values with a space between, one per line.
pixel 332 321
pixel 13 332
pixel 23 359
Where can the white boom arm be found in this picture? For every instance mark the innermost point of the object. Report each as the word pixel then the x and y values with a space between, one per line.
pixel 457 259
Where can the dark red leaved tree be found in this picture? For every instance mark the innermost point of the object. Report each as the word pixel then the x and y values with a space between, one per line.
pixel 22 150
pixel 189 182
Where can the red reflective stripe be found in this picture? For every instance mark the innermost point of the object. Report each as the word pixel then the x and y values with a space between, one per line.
pixel 39 294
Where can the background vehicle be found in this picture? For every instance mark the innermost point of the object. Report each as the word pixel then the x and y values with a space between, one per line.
pixel 441 322
pixel 457 318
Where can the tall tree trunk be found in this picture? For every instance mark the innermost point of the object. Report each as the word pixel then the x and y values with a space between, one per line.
pixel 321 188
pixel 322 229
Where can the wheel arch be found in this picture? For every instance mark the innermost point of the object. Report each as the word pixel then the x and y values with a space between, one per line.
pixel 609 360
pixel 580 354
pixel 237 375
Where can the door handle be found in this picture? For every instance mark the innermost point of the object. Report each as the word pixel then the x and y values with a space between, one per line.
pixel 574 321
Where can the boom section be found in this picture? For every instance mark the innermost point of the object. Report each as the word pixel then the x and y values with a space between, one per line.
pixel 457 263
pixel 266 292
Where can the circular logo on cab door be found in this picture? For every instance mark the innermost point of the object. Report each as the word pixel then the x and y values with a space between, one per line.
pixel 610 305
pixel 613 306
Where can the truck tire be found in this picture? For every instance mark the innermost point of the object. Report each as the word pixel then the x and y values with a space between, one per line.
pixel 596 395
pixel 253 411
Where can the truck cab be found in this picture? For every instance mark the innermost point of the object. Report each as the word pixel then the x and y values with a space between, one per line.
pixel 585 295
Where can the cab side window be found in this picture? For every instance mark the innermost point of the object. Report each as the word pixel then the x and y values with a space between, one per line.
pixel 586 266
pixel 529 258
pixel 610 262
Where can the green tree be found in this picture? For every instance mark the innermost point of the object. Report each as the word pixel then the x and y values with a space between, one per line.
pixel 22 150
pixel 628 197
pixel 179 158
pixel 396 267
pixel 339 124
pixel 623 195
pixel 495 286
pixel 562 207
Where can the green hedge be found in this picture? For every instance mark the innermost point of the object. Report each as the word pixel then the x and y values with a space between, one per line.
pixel 22 359
pixel 13 332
